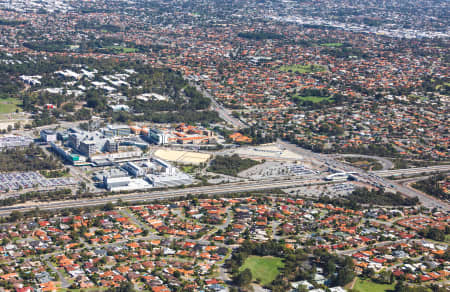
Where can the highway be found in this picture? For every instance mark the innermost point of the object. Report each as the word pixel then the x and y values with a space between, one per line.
pixel 160 195
pixel 372 178
pixel 376 179
pixel 412 171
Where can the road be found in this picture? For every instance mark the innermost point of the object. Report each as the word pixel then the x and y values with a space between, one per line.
pixel 374 178
pixel 249 186
pixel 413 171
pixel 380 244
pixel 223 112
pixel 168 194
pixel 64 282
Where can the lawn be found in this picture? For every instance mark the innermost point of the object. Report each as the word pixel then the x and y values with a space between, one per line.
pixel 188 168
pixel 314 99
pixel 309 68
pixel 370 286
pixel 123 49
pixel 264 269
pixel 331 45
pixel 9 105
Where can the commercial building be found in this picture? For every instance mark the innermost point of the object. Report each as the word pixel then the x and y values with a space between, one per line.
pixel 67 154
pixel 125 183
pixel 143 175
pixel 133 169
pixel 122 155
pixel 168 176
pixel 88 148
pixel 158 137
pixel 11 141
pixel 164 180
pixel 112 146
pixel 113 183
pixel 117 130
pixel 48 136
pixel 74 141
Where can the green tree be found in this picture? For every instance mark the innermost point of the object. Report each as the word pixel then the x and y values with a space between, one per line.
pixel 243 278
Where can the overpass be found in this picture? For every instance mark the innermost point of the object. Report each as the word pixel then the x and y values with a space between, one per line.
pixel 340 176
pixel 412 171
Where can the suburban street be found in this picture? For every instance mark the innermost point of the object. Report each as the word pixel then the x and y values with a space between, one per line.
pixel 223 113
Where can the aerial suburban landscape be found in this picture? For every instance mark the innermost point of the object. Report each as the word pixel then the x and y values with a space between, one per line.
pixel 192 145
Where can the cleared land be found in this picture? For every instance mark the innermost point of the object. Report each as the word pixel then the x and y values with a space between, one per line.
pixel 298 68
pixel 183 157
pixel 266 152
pixel 9 105
pixel 370 286
pixel 264 269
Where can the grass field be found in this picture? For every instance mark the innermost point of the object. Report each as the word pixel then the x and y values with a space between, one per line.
pixel 314 99
pixel 367 164
pixel 331 45
pixel 264 269
pixel 188 168
pixel 310 68
pixel 9 105
pixel 123 49
pixel 370 286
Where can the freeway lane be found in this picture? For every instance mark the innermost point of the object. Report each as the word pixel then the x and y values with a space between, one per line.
pixel 210 190
pixel 426 200
pixel 415 170
pixel 375 178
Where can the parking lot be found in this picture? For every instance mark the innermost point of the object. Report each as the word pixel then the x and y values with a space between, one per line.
pixel 277 169
pixel 27 180
pixel 330 190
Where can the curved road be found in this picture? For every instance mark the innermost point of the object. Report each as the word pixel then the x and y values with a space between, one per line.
pixel 385 163
pixel 375 177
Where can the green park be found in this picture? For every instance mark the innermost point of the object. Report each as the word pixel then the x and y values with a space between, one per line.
pixel 9 105
pixel 264 269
